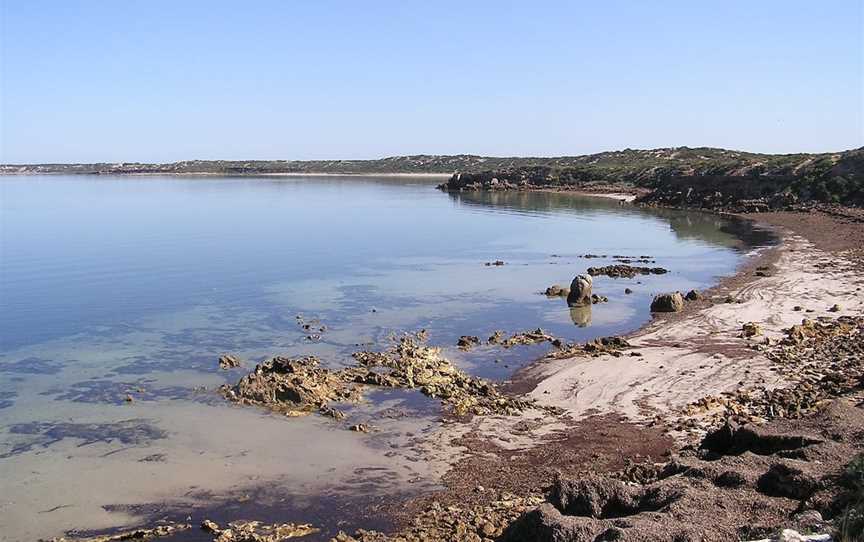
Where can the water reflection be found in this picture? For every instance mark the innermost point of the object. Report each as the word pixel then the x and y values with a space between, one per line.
pixel 581 316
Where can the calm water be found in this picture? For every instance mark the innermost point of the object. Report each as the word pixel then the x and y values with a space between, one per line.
pixel 111 286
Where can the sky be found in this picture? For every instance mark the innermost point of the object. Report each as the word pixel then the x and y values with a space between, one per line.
pixel 158 81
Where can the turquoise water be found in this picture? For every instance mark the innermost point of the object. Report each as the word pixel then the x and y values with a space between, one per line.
pixel 111 286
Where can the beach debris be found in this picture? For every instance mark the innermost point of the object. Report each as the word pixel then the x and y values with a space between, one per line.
pixel 467 342
pixel 135 534
pixel 669 302
pixel 229 361
pixel 625 271
pixel 580 291
pixel 693 295
pixel 255 531
pixel 751 329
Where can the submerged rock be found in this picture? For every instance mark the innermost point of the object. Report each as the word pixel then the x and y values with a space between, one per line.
pixel 466 342
pixel 580 291
pixel 671 302
pixel 135 534
pixel 229 361
pixel 556 291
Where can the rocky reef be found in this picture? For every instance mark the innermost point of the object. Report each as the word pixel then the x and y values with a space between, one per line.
pixel 299 386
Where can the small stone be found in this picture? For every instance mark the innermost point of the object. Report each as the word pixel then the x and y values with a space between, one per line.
pixel 834 308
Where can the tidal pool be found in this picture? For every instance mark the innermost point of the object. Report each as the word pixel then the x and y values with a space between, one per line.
pixel 132 286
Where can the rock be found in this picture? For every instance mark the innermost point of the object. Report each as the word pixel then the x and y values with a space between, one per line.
pixel 495 263
pixel 360 428
pixel 580 291
pixel 834 308
pixel 466 342
pixel 255 531
pixel 598 299
pixel 628 291
pixel 751 329
pixel 228 361
pixel 787 480
pixel 556 291
pixel 496 337
pixel 671 302
pixel 625 271
pixel 693 295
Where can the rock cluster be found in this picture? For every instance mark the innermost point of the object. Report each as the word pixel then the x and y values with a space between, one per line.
pixel 625 271
pixel 136 534
pixel 298 386
pixel 823 359
pixel 438 523
pixel 255 531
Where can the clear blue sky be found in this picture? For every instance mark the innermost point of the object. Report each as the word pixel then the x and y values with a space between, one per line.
pixel 161 81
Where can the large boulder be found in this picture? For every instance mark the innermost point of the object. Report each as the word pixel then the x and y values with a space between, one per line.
pixel 673 302
pixel 580 291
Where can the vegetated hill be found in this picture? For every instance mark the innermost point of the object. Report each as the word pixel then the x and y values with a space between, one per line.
pixel 701 177
pixel 682 176
pixel 421 163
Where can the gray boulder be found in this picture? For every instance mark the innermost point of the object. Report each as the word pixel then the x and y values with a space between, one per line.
pixel 673 302
pixel 580 291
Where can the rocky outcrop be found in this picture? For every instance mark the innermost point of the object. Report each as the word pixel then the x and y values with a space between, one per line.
pixel 299 386
pixel 671 302
pixel 580 291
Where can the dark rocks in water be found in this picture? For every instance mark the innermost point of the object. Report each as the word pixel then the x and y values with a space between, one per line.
pixel 556 291
pixel 496 263
pixel 628 291
pixel 528 337
pixel 496 338
pixel 625 271
pixel 670 302
pixel 229 361
pixel 598 299
pixel 466 342
pixel 694 295
pixel 580 291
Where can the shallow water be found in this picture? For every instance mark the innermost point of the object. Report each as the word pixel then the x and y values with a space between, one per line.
pixel 135 285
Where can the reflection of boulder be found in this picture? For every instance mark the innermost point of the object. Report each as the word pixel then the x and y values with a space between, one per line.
pixel 581 316
pixel 580 291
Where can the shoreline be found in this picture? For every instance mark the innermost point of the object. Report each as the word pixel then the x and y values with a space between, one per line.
pixel 644 406
pixel 614 426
